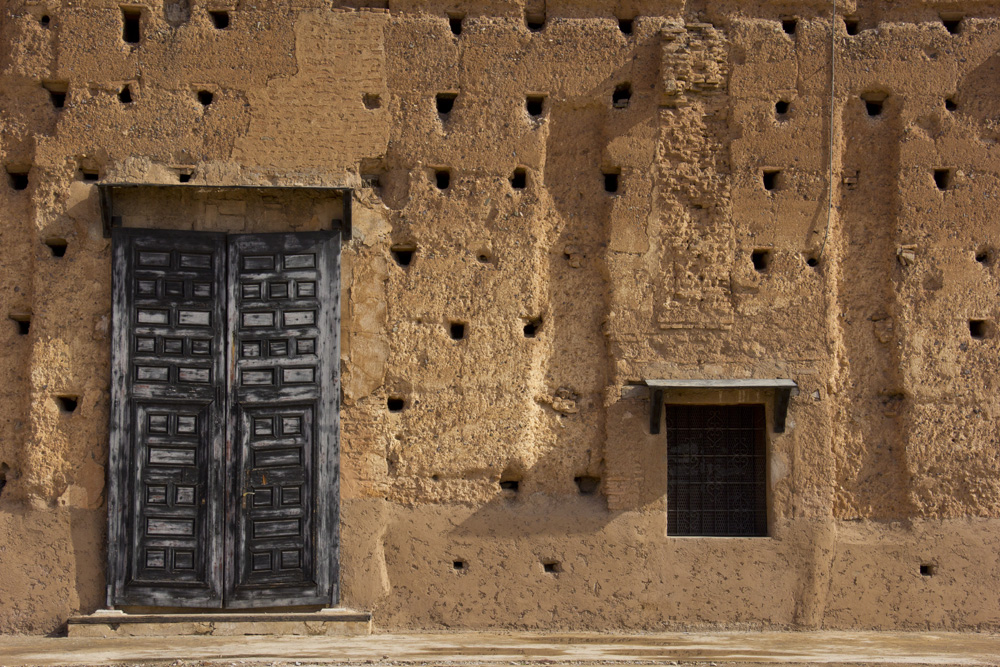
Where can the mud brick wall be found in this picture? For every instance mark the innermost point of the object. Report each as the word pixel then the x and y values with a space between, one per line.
pixel 553 201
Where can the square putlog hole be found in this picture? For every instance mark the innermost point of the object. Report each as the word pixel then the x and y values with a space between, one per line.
pixel 532 327
pixel 457 330
pixel 18 178
pixel 519 179
pixel 621 96
pixel 445 102
pixel 23 324
pixel 611 181
pixel 771 179
pixel 552 566
pixel 535 105
pixel 395 404
pixel 455 23
pixel 442 179
pixel 57 246
pixel 587 485
pixel 67 404
pixel 979 329
pixel 220 19
pixel 928 570
pixel 942 179
pixel 57 93
pixel 761 260
pixel 403 253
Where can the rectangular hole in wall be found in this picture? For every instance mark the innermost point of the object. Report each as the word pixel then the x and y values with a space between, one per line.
pixel 57 92
pixel 22 322
pixel 17 177
pixel 131 21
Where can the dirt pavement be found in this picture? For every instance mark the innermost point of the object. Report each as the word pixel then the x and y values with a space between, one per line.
pixel 728 648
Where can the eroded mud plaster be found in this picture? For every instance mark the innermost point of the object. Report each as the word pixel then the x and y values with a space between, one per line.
pixel 623 190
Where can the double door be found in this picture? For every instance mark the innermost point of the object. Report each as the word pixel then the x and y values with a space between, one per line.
pixel 224 429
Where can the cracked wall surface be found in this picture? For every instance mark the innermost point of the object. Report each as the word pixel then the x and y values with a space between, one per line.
pixel 636 189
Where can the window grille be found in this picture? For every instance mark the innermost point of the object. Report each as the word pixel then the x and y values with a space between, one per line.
pixel 716 474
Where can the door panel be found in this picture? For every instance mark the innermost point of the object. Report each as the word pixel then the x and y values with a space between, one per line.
pixel 284 324
pixel 168 418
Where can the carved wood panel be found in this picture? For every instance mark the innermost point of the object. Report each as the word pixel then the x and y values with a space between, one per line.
pixel 284 322
pixel 168 419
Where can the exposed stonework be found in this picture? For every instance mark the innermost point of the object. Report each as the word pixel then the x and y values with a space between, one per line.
pixel 568 292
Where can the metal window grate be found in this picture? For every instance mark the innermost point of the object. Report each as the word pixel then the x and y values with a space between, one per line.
pixel 716 475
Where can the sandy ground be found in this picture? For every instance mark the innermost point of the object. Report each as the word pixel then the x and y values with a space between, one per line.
pixel 729 648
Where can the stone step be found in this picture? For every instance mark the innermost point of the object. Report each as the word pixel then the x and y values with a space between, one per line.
pixel 329 622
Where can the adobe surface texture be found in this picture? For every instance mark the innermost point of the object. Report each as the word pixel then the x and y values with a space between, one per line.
pixel 606 192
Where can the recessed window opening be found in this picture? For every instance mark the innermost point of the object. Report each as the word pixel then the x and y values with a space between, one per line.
pixel 984 255
pixel 460 565
pixel 23 324
pixel 445 102
pixel 770 179
pixel 90 175
pixel 372 101
pixel 456 330
pixel 220 18
pixel 587 485
pixel 716 478
pixel 535 21
pixel 371 180
pixel 535 105
pixel 626 25
pixel 45 20
pixel 67 404
pixel 205 97
pixel 781 107
pixel 952 22
pixel 455 23
pixel 978 329
pixel 950 104
pixel 532 327
pixel 57 246
pixel 18 178
pixel 611 181
pixel 131 20
pixel 395 404
pixel 761 260
pixel 403 253
pixel 442 178
pixel 57 93
pixel 623 93
pixel 125 95
pixel 552 566
pixel 789 25
pixel 852 25
pixel 928 570
pixel 519 179
pixel 942 178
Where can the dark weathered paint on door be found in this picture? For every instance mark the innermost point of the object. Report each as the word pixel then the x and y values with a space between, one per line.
pixel 224 430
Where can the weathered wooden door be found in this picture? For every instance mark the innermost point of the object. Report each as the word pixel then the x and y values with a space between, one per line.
pixel 224 429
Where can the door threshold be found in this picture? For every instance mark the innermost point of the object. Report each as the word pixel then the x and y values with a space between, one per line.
pixel 335 621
